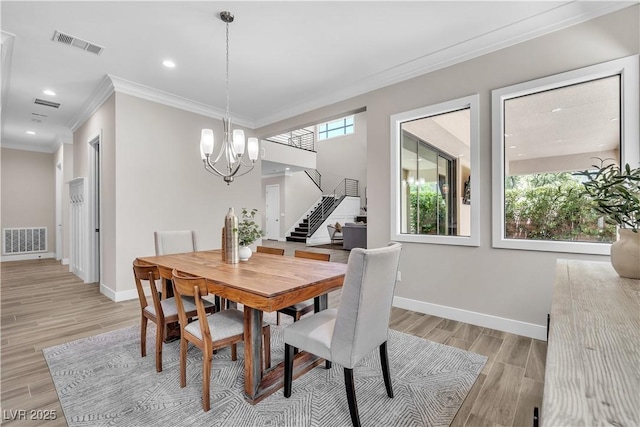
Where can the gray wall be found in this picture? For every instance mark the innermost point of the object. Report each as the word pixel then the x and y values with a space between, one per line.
pixel 28 192
pixel 509 289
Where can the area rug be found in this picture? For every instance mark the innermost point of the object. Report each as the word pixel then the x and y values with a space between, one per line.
pixel 103 381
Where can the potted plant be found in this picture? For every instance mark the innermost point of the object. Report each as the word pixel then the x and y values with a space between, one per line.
pixel 615 193
pixel 248 232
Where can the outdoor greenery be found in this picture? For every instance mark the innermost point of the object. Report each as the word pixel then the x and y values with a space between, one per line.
pixel 615 193
pixel 248 230
pixel 422 213
pixel 552 206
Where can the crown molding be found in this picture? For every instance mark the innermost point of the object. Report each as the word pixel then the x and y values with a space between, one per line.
pixel 98 97
pixel 154 95
pixel 563 16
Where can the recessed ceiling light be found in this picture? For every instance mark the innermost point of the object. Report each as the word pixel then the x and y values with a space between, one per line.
pixel 30 132
pixel 521 154
pixel 49 92
pixel 600 145
pixel 555 110
pixel 169 63
pixel 613 119
pixel 512 146
pixel 507 135
pixel 558 140
pixel 287 169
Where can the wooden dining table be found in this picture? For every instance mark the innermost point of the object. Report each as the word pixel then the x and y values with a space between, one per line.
pixel 263 283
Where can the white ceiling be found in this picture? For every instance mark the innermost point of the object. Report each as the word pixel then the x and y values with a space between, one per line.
pixel 286 57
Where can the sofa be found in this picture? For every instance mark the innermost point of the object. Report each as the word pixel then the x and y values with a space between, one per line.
pixel 354 235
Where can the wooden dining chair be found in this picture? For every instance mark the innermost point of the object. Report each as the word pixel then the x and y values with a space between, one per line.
pixel 209 333
pixel 300 309
pixel 341 336
pixel 162 312
pixel 268 250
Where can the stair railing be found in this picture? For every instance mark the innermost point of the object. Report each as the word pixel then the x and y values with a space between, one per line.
pixel 348 187
pixel 315 177
pixel 302 138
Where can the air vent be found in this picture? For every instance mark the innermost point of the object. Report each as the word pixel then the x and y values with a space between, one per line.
pixel 46 103
pixel 76 42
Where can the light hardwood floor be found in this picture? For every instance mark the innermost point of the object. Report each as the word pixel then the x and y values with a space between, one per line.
pixel 42 305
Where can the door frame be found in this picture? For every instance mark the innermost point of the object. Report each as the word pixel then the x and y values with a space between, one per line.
pixel 269 234
pixel 94 188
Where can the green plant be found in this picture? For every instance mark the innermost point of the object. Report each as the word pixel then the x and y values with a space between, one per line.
pixel 615 193
pixel 248 230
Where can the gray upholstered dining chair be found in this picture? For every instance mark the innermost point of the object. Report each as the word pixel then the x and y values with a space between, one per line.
pixel 174 242
pixel 359 325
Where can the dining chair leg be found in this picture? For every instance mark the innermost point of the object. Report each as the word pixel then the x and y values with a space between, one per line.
pixel 183 362
pixel 384 361
pixel 143 336
pixel 234 352
pixel 327 364
pixel 288 369
pixel 159 335
pixel 278 318
pixel 266 332
pixel 351 396
pixel 206 381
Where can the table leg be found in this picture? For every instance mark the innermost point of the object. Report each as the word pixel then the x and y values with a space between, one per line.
pixel 321 302
pixel 252 351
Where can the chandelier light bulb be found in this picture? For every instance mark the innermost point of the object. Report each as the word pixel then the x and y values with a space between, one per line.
pixel 252 149
pixel 206 142
pixel 238 141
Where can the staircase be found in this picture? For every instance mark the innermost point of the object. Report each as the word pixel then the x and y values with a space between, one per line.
pixel 300 232
pixel 309 225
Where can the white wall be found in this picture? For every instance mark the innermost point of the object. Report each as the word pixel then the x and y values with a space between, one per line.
pixel 345 157
pixel 504 289
pixel 162 185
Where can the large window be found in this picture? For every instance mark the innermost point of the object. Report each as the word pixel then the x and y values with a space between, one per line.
pixel 544 132
pixel 343 126
pixel 434 166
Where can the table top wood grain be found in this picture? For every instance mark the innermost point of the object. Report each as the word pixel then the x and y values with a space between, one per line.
pixel 593 359
pixel 266 282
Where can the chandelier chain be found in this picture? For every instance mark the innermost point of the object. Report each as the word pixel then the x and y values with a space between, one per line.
pixel 227 81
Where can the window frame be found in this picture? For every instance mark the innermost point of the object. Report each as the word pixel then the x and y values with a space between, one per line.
pixel 473 103
pixel 344 127
pixel 627 68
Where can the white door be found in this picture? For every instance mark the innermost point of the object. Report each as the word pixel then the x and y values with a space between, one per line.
pixel 273 212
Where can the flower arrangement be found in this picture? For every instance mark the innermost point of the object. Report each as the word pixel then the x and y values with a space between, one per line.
pixel 248 230
pixel 615 193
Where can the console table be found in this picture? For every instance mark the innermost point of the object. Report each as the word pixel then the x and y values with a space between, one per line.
pixel 592 374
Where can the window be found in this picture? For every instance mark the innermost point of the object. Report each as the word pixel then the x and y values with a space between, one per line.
pixel 434 166
pixel 543 132
pixel 343 126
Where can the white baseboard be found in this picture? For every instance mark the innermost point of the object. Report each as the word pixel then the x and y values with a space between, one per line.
pixel 24 257
pixel 118 296
pixel 517 327
pixel 65 261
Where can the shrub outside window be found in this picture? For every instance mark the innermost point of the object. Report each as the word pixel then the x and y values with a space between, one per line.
pixel 543 132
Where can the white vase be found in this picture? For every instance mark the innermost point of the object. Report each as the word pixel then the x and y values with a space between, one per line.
pixel 244 253
pixel 625 254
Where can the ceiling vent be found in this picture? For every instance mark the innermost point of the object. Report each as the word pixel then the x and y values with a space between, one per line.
pixel 46 103
pixel 76 42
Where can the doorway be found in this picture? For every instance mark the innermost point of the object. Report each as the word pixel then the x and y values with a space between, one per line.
pixel 273 212
pixel 93 190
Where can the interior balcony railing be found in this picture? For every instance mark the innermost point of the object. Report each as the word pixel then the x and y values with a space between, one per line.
pixel 348 187
pixel 304 139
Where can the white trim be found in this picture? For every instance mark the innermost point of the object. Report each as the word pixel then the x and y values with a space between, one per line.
pixel 630 145
pixel 473 103
pixel 120 296
pixel 94 253
pixel 65 261
pixel 154 95
pixel 24 257
pixel 98 97
pixel 517 327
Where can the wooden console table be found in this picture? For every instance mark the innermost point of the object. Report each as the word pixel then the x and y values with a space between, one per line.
pixel 592 375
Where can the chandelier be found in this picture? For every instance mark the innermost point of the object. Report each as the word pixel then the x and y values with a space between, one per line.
pixel 230 155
